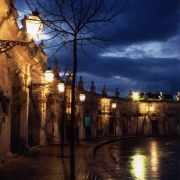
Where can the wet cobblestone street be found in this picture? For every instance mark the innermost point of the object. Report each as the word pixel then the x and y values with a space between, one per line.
pixel 129 158
pixel 150 158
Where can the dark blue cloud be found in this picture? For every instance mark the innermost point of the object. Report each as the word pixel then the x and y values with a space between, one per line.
pixel 144 57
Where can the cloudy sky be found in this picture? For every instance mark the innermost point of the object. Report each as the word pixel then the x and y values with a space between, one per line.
pixel 145 57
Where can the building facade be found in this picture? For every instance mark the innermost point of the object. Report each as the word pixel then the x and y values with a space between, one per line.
pixel 33 112
pixel 19 66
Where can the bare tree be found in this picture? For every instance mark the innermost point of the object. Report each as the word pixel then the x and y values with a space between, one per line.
pixel 73 24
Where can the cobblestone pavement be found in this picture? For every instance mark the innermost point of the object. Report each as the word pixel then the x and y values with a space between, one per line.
pixel 44 163
pixel 146 158
pixel 149 158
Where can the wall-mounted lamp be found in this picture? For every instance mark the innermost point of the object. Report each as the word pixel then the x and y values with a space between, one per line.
pixel 49 75
pixel 114 105
pixel 82 97
pixel 61 87
pixel 33 25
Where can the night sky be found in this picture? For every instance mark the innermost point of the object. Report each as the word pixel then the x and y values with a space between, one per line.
pixel 145 57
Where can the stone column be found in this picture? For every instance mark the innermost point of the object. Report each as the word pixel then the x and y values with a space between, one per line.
pixel 57 116
pixel 42 105
pixel 56 128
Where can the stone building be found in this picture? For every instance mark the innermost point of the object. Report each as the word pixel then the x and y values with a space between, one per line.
pixel 33 112
pixel 19 66
pixel 149 116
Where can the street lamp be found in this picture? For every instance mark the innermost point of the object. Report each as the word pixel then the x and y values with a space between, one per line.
pixel 79 100
pixel 82 97
pixel 151 108
pixel 114 107
pixel 33 25
pixel 61 88
pixel 49 75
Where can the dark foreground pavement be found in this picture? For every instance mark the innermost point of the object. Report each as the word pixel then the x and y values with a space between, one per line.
pixel 44 163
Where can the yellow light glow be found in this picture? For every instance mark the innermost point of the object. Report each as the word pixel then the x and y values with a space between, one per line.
pixel 113 105
pixel 151 108
pixel 82 97
pixel 154 157
pixel 33 25
pixel 138 165
pixel 135 96
pixel 49 75
pixel 61 87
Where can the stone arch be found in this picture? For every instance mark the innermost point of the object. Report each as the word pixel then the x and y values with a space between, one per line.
pixel 154 121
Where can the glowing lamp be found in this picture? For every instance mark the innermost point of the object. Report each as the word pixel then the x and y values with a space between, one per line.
pixel 49 75
pixel 61 87
pixel 151 108
pixel 82 97
pixel 113 105
pixel 135 96
pixel 33 24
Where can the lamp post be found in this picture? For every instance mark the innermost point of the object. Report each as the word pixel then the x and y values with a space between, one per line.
pixel 81 98
pixel 48 75
pixel 62 89
pixel 33 25
pixel 114 107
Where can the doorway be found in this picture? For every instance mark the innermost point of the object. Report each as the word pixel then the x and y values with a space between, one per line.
pixel 87 126
pixel 155 126
pixel 111 125
pixel 15 115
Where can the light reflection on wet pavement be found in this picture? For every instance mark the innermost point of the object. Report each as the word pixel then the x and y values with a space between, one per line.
pixel 148 158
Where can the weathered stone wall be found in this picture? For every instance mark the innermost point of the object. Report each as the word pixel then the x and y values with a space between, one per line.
pixel 19 65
